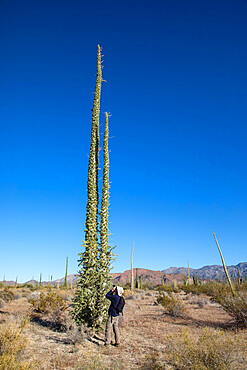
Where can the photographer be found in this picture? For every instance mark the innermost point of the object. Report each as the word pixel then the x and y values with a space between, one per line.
pixel 114 296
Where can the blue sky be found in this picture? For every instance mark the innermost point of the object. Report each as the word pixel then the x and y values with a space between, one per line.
pixel 176 88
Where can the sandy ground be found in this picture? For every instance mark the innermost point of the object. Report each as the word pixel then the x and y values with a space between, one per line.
pixel 145 333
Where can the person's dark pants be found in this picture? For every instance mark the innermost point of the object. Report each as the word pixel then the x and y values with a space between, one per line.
pixel 112 323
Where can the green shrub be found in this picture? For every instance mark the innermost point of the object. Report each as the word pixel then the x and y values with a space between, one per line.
pixel 49 302
pixel 172 304
pixel 169 288
pixel 214 349
pixel 7 295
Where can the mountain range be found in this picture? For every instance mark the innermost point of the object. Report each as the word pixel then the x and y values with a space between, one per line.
pixel 211 272
pixel 157 277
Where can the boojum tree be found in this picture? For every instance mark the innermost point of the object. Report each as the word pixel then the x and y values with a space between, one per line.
pixel 88 304
pixel 105 252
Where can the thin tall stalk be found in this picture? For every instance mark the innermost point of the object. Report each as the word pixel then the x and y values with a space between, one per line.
pixel 132 271
pixel 224 266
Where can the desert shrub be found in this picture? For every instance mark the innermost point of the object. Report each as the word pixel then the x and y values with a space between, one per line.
pixel 201 302
pixel 7 295
pixel 148 285
pixel 75 333
pixel 214 349
pixel 165 288
pixel 28 286
pixel 129 294
pixel 173 305
pixel 12 346
pixel 150 294
pixel 152 361
pixel 235 306
pixel 169 288
pixel 48 303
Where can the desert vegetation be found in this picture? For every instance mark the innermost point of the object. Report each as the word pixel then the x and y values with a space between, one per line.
pixel 161 330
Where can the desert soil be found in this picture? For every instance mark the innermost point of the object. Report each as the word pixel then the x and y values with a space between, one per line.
pixel 144 334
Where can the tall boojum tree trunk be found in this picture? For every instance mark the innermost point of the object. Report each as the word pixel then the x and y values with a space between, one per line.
pixel 86 293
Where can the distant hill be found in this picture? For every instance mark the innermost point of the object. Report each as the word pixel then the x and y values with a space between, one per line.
pixel 210 272
pixel 148 276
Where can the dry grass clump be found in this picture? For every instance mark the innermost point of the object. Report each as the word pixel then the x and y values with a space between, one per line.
pixel 12 346
pixel 213 349
pixel 7 295
pixel 152 361
pixel 173 305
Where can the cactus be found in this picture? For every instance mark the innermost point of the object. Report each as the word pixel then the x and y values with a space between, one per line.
pixel 16 284
pixel 188 273
pixel 40 280
pixel 66 273
pixel 71 282
pixel 185 280
pixel 140 282
pixel 195 279
pixel 239 276
pixel 175 286
pixel 137 280
pixel 132 272
pixel 224 266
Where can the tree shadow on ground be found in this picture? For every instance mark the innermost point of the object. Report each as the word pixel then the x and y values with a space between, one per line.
pixel 47 323
pixel 191 321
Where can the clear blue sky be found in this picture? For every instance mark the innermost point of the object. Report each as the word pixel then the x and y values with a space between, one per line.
pixel 176 88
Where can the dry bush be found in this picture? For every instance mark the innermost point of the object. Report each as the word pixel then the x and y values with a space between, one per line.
pixel 12 346
pixel 76 334
pixel 2 302
pixel 48 303
pixel 7 295
pixel 129 294
pixel 152 361
pixel 96 361
pixel 173 305
pixel 214 349
pixel 235 306
pixel 201 302
pixel 49 309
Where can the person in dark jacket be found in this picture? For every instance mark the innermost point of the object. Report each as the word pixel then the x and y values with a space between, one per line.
pixel 113 318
